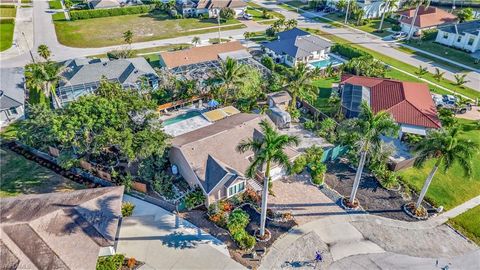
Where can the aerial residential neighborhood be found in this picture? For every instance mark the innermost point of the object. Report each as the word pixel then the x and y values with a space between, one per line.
pixel 239 134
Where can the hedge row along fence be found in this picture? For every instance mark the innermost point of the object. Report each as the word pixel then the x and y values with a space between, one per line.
pixel 100 13
pixel 348 52
pixel 7 20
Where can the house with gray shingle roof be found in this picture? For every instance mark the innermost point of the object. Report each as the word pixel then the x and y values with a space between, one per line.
pixel 62 230
pixel 294 46
pixel 12 95
pixel 83 76
pixel 465 36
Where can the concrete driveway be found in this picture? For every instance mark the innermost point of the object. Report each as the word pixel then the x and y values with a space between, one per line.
pixel 164 241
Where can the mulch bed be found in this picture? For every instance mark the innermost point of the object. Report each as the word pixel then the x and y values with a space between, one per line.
pixel 372 196
pixel 200 219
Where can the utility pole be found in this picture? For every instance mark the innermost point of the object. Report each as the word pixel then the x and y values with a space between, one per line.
pixel 28 46
pixel 218 20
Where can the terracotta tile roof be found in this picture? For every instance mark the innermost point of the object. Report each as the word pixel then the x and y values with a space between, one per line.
pixel 220 4
pixel 427 17
pixel 408 102
pixel 198 54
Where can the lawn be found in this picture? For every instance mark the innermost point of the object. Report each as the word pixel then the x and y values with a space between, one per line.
pixel 468 224
pixel 401 65
pixel 289 8
pixel 55 4
pixel 100 32
pixel 298 4
pixel 324 92
pixel 8 12
pixel 451 188
pixel 371 27
pixel 257 12
pixel 6 34
pixel 446 52
pixel 22 176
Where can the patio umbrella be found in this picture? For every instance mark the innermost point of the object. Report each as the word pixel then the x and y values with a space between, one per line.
pixel 213 103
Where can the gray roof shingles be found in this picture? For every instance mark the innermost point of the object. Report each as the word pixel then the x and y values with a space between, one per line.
pixel 472 27
pixel 296 44
pixel 12 82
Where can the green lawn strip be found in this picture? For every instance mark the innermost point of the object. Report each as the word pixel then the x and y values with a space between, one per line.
pixel 8 12
pixel 260 36
pixel 324 92
pixel 426 57
pixel 55 4
pixel 451 188
pixel 298 4
pixel 371 27
pixel 59 16
pixel 257 12
pixel 26 1
pixel 150 51
pixel 401 65
pixel 22 176
pixel 289 8
pixel 6 35
pixel 9 133
pixel 445 52
pixel 468 224
pixel 109 31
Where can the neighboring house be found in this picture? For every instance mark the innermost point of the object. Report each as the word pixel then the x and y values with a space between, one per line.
pixel 371 8
pixel 213 7
pixel 294 46
pixel 280 99
pixel 465 36
pixel 207 157
pixel 427 18
pixel 410 103
pixel 12 95
pixel 63 230
pixel 83 76
pixel 97 4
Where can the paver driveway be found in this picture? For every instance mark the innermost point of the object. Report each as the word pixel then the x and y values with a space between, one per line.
pixel 295 194
pixel 164 241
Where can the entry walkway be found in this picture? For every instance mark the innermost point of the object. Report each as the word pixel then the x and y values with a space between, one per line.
pixel 464 207
pixel 164 241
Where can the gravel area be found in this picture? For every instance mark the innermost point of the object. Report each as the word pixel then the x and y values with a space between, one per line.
pixel 441 241
pixel 374 199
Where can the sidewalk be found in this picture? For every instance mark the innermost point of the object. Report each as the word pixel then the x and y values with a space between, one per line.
pixel 464 207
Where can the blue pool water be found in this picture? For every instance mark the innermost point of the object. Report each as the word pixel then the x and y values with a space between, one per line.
pixel 324 63
pixel 181 117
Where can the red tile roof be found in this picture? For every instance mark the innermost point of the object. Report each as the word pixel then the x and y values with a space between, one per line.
pixel 427 17
pixel 408 102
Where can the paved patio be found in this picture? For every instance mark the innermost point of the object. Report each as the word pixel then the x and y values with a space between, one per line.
pixel 164 241
pixel 306 202
pixel 307 138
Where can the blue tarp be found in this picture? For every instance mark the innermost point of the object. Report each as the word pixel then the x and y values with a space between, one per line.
pixel 213 103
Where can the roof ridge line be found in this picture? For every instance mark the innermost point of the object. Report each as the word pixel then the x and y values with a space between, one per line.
pixel 416 108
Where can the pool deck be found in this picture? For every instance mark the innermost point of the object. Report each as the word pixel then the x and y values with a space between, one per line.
pixel 186 125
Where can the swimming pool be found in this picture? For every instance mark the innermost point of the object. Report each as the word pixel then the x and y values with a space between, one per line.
pixel 324 63
pixel 181 117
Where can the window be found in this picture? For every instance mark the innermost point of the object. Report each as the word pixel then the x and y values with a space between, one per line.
pixel 470 41
pixel 12 111
pixel 445 35
pixel 236 189
pixel 459 39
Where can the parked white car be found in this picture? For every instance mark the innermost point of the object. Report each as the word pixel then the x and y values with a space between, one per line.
pixel 399 35
pixel 247 16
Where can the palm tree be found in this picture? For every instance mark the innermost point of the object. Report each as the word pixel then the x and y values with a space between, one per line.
pixel 370 126
pixel 347 11
pixel 196 41
pixel 446 148
pixel 299 81
pixel 415 15
pixel 290 24
pixel 128 37
pixel 438 74
pixel 44 51
pixel 44 76
pixel 460 79
pixel 267 150
pixel 231 75
pixel 388 5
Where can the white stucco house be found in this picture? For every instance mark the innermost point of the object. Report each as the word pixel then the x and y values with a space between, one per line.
pixel 464 36
pixel 294 46
pixel 12 95
pixel 371 8
pixel 213 7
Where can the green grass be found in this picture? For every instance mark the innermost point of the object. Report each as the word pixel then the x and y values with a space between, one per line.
pixel 468 224
pixel 371 27
pixel 298 4
pixel 289 8
pixel 401 65
pixel 324 92
pixel 260 36
pixel 109 31
pixel 445 52
pixel 22 176
pixel 257 12
pixel 60 16
pixel 26 1
pixel 55 4
pixel 6 35
pixel 8 12
pixel 449 188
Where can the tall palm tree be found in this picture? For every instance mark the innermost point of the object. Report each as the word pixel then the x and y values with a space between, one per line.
pixel 44 52
pixel 128 37
pixel 415 15
pixel 370 126
pixel 195 41
pixel 299 81
pixel 267 150
pixel 446 148
pixel 388 5
pixel 231 76
pixel 44 76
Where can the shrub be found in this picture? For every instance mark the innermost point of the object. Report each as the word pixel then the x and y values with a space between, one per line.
pixel 268 62
pixel 227 13
pixel 163 184
pixel 348 51
pixel 299 164
pixel 113 262
pixel 247 242
pixel 309 125
pixel 127 209
pixel 429 34
pixel 317 172
pixel 120 54
pixel 327 130
pixel 204 16
pixel 99 13
pixel 396 27
pixel 131 262
pixel 220 219
pixel 251 196
pixel 194 198
pixel 225 206
pixel 237 221
pixel 271 32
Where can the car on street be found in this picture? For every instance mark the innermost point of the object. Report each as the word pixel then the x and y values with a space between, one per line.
pixel 399 35
pixel 247 16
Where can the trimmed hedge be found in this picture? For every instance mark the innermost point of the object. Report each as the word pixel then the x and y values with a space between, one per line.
pixel 100 13
pixel 7 20
pixel 348 52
